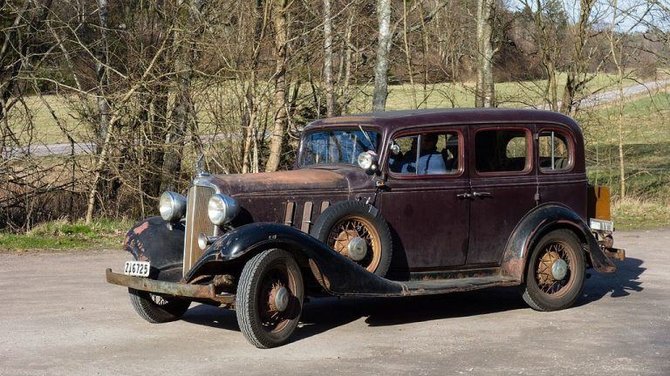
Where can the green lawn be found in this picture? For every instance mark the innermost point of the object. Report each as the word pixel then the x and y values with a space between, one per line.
pixel 63 236
pixel 646 134
pixel 45 129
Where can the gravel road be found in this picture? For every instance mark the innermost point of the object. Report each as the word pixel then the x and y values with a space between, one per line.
pixel 59 317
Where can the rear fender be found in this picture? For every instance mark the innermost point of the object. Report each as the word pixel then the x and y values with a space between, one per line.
pixel 537 223
pixel 159 242
pixel 335 273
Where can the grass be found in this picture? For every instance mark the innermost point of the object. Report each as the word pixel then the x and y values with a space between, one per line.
pixel 63 236
pixel 508 94
pixel 645 124
pixel 44 128
pixel 632 213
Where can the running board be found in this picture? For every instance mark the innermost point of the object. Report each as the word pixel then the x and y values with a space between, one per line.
pixel 437 286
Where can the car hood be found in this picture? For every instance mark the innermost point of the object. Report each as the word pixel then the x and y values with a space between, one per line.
pixel 296 181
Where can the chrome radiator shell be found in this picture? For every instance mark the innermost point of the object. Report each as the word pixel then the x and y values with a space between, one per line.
pixel 197 222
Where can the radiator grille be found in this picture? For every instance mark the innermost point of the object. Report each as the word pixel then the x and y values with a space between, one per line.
pixel 197 222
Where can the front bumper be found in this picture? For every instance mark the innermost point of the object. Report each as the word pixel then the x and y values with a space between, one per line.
pixel 185 290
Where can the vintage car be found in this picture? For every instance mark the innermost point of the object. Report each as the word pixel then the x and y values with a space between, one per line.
pixel 380 205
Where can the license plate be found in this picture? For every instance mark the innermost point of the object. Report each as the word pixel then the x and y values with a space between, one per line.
pixel 137 268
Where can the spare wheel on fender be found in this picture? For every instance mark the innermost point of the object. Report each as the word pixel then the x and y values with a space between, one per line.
pixel 357 231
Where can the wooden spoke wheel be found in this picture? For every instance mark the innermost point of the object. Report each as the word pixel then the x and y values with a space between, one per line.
pixel 357 231
pixel 555 276
pixel 357 238
pixel 269 298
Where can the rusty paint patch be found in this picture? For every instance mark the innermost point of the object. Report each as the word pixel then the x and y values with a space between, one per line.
pixel 139 229
pixel 514 268
pixel 136 248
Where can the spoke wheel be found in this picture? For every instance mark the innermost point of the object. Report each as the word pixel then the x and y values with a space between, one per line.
pixel 269 298
pixel 350 229
pixel 555 276
pixel 357 231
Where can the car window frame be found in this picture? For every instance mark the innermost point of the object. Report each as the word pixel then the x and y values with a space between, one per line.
pixel 528 129
pixel 452 128
pixel 540 128
pixel 344 127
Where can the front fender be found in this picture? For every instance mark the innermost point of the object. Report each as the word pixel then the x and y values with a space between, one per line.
pixel 160 242
pixel 541 220
pixel 335 273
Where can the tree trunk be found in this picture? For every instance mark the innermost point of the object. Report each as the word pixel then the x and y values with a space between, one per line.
pixel 616 53
pixel 328 58
pixel 280 26
pixel 408 54
pixel 102 72
pixel 380 92
pixel 485 89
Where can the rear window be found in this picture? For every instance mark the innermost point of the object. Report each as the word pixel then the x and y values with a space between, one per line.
pixel 503 150
pixel 554 151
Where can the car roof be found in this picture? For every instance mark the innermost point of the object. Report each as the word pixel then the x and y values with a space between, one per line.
pixel 392 120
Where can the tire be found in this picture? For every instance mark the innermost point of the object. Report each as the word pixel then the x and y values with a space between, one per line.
pixel 338 225
pixel 262 320
pixel 157 309
pixel 544 291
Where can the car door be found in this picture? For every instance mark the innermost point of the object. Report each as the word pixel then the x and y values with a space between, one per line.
pixel 504 187
pixel 421 201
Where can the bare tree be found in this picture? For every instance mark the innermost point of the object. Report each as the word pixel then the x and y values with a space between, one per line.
pixel 185 52
pixel 578 67
pixel 384 39
pixel 485 89
pixel 280 26
pixel 328 58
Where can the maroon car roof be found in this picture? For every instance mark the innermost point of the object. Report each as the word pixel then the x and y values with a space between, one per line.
pixel 407 118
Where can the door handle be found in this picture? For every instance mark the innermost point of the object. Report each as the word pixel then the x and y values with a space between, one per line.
pixel 464 195
pixel 481 194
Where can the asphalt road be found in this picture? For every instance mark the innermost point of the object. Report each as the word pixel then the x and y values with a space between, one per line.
pixel 59 317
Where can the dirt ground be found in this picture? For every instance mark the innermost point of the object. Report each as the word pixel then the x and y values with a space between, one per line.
pixel 59 317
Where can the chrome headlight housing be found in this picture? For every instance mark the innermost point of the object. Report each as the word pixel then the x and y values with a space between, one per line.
pixel 367 160
pixel 172 206
pixel 222 209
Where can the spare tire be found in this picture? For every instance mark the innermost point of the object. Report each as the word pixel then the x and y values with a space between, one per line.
pixel 357 231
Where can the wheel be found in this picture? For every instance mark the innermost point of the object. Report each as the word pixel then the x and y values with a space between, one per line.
pixel 269 298
pixel 555 276
pixel 155 308
pixel 351 229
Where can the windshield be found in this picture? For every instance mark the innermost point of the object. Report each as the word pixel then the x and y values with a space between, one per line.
pixel 336 146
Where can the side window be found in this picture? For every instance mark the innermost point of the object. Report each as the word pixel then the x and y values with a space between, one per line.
pixel 501 150
pixel 436 154
pixel 553 151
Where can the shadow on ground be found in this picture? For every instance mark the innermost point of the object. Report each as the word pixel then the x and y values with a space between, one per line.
pixel 321 315
pixel 623 282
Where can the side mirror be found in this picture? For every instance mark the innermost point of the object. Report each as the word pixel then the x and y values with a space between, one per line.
pixel 368 161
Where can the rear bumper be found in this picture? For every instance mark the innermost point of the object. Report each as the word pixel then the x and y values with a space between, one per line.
pixel 615 253
pixel 185 290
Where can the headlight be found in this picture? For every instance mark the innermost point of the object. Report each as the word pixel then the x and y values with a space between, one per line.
pixel 172 206
pixel 367 160
pixel 222 209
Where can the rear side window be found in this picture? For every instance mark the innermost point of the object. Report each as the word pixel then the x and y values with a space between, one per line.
pixel 554 151
pixel 501 150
